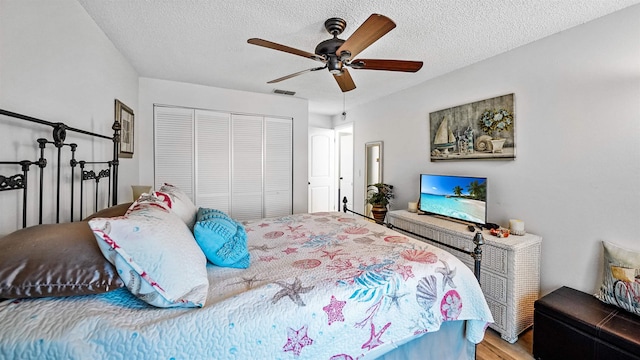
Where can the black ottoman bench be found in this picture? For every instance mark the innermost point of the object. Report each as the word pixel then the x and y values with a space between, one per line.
pixel 570 324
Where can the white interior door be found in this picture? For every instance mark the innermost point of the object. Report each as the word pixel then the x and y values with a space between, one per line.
pixel 321 178
pixel 345 176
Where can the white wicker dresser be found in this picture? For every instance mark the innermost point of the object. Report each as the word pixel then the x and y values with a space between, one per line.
pixel 510 273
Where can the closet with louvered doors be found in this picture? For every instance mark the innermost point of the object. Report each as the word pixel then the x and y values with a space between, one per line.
pixel 239 163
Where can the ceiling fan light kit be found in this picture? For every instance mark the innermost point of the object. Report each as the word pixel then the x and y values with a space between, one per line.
pixel 337 54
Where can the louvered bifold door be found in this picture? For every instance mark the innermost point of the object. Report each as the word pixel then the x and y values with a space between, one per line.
pixel 174 148
pixel 246 167
pixel 213 160
pixel 278 167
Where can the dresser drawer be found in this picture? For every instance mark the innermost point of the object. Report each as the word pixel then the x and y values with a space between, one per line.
pixel 499 312
pixel 494 287
pixel 495 258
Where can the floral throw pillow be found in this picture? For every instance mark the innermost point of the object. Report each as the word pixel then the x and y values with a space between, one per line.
pixel 155 255
pixel 621 278
pixel 222 239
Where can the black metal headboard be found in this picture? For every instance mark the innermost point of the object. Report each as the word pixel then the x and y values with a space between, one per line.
pixel 20 181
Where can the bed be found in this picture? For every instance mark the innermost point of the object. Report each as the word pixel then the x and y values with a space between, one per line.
pixel 131 282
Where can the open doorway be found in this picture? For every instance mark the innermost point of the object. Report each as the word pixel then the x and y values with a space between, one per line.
pixel 344 164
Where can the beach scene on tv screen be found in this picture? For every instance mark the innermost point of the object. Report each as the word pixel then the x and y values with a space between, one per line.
pixel 463 198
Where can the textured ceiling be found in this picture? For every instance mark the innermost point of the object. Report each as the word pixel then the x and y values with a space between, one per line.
pixel 205 42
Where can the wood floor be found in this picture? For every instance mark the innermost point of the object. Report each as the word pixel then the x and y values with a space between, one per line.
pixel 494 348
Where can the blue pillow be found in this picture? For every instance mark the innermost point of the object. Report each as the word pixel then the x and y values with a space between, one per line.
pixel 222 239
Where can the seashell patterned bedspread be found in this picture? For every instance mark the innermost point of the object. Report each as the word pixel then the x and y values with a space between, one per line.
pixel 320 286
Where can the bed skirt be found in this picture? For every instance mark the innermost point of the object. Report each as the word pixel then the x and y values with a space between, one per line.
pixel 447 343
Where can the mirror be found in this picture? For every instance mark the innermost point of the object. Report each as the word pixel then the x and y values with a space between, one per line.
pixel 372 167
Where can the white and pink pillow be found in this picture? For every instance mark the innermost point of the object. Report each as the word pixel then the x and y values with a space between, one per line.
pixel 179 203
pixel 155 254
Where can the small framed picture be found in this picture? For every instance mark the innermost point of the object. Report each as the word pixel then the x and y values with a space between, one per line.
pixel 124 116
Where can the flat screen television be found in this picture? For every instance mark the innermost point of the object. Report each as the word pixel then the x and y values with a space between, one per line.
pixel 457 197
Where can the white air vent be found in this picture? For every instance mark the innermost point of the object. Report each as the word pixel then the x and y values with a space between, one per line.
pixel 283 92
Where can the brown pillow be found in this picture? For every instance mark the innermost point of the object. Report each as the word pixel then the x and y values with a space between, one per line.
pixel 116 210
pixel 54 260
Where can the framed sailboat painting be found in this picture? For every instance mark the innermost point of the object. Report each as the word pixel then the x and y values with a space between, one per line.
pixel 480 130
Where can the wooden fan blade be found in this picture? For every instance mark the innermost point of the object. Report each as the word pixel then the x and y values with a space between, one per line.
pixel 295 74
pixel 389 65
pixel 375 27
pixel 344 80
pixel 287 49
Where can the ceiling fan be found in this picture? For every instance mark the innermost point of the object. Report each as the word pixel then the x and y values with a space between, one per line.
pixel 338 54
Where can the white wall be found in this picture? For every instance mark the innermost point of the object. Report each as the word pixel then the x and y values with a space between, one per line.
pixel 57 65
pixel 320 121
pixel 153 91
pixel 577 116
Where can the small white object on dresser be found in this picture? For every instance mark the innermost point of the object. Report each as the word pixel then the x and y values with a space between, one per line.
pixel 510 272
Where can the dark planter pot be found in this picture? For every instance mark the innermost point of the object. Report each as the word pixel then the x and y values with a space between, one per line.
pixel 379 212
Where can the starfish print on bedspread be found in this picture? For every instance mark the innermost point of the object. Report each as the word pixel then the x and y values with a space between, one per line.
pixel 334 310
pixel 298 237
pixel 405 270
pixel 293 291
pixel 293 228
pixel 263 247
pixel 394 297
pixel 377 234
pixel 247 281
pixel 447 275
pixel 374 339
pixel 296 340
pixel 331 254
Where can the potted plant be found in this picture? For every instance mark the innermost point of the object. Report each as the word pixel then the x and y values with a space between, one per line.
pixel 379 195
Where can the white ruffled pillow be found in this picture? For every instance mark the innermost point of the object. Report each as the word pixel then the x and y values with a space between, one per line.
pixel 155 254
